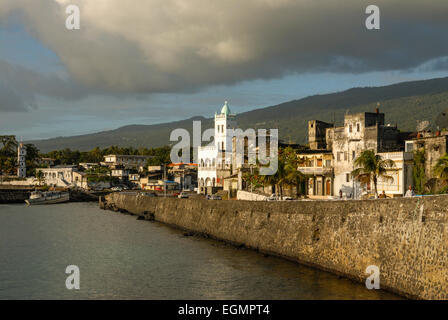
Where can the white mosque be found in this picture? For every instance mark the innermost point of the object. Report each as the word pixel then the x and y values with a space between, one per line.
pixel 213 166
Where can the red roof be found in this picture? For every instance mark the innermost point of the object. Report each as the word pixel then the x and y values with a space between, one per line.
pixel 181 163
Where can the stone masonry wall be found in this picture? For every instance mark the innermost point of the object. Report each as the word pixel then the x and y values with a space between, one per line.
pixel 14 196
pixel 407 238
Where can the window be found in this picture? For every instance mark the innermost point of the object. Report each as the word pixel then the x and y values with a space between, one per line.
pixel 350 129
pixel 347 177
pixel 353 155
pixel 345 156
pixel 328 163
pixel 358 127
pixel 339 156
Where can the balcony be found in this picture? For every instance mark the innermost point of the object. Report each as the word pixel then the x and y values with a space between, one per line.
pixel 316 171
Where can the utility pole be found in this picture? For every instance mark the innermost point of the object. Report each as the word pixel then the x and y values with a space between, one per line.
pixel 164 179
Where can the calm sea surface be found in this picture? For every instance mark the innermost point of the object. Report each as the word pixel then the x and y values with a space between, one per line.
pixel 120 257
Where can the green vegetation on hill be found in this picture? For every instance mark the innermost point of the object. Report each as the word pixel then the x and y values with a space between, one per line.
pixel 403 103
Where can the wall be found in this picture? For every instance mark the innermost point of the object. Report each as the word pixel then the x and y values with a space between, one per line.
pixel 250 196
pixel 14 196
pixel 22 183
pixel 407 238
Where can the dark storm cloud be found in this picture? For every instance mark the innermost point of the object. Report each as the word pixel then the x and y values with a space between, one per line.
pixel 154 46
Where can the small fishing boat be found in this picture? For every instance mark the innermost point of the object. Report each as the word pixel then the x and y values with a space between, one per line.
pixel 49 197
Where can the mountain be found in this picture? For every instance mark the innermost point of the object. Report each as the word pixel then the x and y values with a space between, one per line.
pixel 403 103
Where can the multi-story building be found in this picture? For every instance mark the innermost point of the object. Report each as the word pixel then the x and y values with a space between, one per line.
pixel 213 164
pixel 245 156
pixel 400 175
pixel 64 176
pixel 361 131
pixel 317 165
pixel 88 165
pixel 317 131
pixel 120 173
pixel 126 161
pixel 433 147
pixel 185 174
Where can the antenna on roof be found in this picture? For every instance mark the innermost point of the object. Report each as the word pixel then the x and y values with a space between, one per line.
pixel 422 125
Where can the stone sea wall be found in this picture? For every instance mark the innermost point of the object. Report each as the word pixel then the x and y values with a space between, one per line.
pixel 14 196
pixel 407 238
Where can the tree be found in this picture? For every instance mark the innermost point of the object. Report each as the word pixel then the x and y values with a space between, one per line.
pixel 371 167
pixel 287 173
pixel 441 167
pixel 39 176
pixel 418 171
pixel 9 148
pixel 293 176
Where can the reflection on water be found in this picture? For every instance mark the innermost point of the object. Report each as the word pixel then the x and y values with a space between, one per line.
pixel 122 258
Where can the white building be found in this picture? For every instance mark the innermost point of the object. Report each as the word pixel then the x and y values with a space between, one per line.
pixel 127 161
pixel 213 164
pixel 401 173
pixel 88 165
pixel 360 132
pixel 121 174
pixel 64 176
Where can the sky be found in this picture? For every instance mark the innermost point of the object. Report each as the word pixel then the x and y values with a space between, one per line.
pixel 154 61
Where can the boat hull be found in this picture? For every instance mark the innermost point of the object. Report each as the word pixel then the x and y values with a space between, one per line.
pixel 49 200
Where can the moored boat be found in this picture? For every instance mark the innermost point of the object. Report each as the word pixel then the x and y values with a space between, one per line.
pixel 49 197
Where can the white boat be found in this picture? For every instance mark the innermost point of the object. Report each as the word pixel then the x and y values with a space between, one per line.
pixel 49 197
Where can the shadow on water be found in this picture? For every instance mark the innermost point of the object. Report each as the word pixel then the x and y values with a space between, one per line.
pixel 122 258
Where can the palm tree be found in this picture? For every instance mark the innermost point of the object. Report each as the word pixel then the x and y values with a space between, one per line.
pixel 370 167
pixel 293 176
pixel 441 167
pixel 287 173
pixel 39 176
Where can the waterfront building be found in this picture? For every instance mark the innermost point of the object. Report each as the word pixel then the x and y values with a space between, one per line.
pixel 213 164
pixel 401 174
pixel 317 165
pixel 158 185
pixel 241 161
pixel 88 165
pixel 120 173
pixel 185 174
pixel 317 132
pixel 64 176
pixel 433 146
pixel 155 168
pixel 360 132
